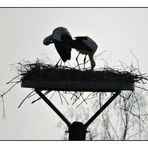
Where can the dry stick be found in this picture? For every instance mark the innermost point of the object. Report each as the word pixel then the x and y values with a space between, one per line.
pixel 81 95
pixel 13 79
pixel 35 100
pixel 112 125
pixel 79 104
pixel 122 64
pixel 131 136
pixel 141 88
pixel 4 113
pixel 137 64
pixel 121 114
pixel 89 95
pixel 60 98
pixel 8 90
pixel 25 98
pixel 139 111
pixel 73 94
pixel 126 114
pixel 90 98
pixel 3 103
pixel 52 95
pixel 96 56
pixel 81 64
pixel 64 98
pixel 106 128
pixel 77 98
pixel 31 95
pixel 15 82
pixel 122 109
pixel 39 97
pixel 69 64
pixel 126 97
pixel 24 66
pixel 84 100
pixel 100 103
pixel 135 116
pixel 135 58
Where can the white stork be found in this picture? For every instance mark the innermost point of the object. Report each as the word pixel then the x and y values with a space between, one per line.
pixel 63 42
pixel 58 36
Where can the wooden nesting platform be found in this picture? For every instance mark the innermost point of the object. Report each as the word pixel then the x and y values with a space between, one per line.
pixel 76 80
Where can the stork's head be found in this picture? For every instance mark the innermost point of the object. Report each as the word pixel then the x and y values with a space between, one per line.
pixel 48 40
pixel 60 33
pixel 60 29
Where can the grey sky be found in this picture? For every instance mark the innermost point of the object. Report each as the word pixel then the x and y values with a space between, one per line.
pixel 117 30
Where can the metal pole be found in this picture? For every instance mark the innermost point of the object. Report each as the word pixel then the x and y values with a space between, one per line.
pixel 53 107
pixel 101 109
pixel 77 131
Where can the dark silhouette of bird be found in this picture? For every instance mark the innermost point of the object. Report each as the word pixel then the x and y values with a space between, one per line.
pixel 63 42
pixel 84 45
pixel 58 36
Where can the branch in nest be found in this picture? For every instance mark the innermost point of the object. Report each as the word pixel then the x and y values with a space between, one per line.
pixel 25 98
pixel 40 97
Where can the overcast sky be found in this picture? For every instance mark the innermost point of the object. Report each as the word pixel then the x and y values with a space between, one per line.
pixel 22 30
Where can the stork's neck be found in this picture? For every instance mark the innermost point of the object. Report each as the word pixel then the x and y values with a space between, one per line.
pixel 92 62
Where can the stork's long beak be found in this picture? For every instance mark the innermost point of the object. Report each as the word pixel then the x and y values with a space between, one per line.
pixel 48 40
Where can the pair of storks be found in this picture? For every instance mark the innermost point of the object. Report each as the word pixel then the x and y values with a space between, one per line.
pixel 63 42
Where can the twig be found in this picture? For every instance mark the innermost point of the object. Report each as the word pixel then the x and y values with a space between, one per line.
pixel 141 88
pixel 64 98
pixel 25 98
pixel 3 104
pixel 77 98
pixel 84 100
pixel 13 79
pixel 39 97
pixel 60 98
pixel 135 58
pixel 8 90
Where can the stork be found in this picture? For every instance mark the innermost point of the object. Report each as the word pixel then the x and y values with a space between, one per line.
pixel 63 42
pixel 85 45
pixel 58 36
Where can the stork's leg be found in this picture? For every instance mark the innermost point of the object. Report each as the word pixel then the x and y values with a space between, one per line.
pixel 58 62
pixel 77 60
pixel 84 61
pixel 92 62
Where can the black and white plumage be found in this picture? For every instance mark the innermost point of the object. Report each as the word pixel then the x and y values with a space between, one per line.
pixel 58 36
pixel 85 45
pixel 63 42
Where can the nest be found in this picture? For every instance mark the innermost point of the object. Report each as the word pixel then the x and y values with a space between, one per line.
pixel 32 71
